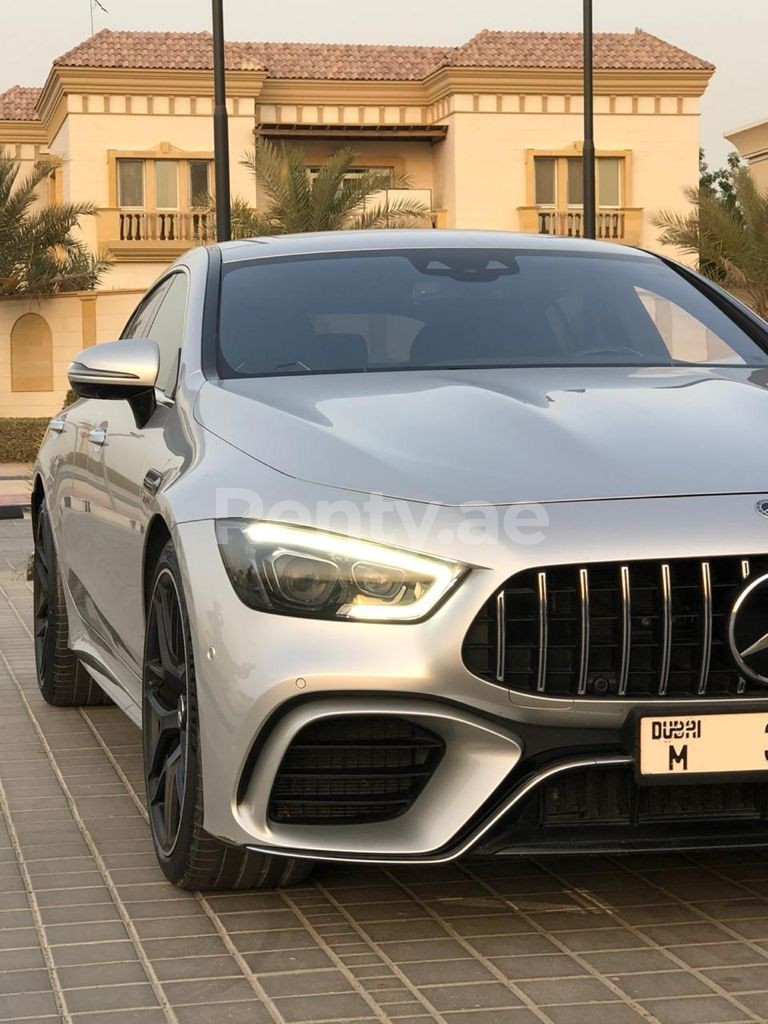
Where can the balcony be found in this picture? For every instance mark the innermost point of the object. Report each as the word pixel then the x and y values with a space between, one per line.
pixel 161 235
pixel 612 225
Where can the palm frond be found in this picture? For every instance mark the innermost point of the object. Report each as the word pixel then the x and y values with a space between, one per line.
pixel 728 235
pixel 248 222
pixel 331 190
pixel 39 253
pixel 400 213
pixel 331 200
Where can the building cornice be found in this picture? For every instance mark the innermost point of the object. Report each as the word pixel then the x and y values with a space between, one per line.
pixel 352 93
pixel 622 82
pixel 52 105
pixel 254 84
pixel 750 140
pixel 15 132
pixel 147 82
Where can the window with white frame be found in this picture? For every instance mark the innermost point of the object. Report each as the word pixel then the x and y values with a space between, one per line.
pixel 559 181
pixel 165 184
pixel 130 183
pixel 199 181
pixel 546 180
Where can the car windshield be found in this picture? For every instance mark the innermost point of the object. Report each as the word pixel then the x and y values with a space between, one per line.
pixel 463 308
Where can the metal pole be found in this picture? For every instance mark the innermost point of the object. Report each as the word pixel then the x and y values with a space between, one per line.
pixel 588 228
pixel 220 127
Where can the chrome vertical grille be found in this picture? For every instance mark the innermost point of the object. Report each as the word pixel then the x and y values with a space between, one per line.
pixel 706 626
pixel 584 645
pixel 666 629
pixel 626 627
pixel 541 674
pixel 501 640
pixel 642 630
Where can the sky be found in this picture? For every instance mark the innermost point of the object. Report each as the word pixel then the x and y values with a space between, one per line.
pixel 732 35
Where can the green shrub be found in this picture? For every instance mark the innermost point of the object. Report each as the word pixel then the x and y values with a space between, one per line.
pixel 20 437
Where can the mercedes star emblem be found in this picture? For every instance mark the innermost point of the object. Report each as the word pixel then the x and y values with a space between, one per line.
pixel 748 629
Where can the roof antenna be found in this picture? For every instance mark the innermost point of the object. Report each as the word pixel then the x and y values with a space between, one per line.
pixel 96 3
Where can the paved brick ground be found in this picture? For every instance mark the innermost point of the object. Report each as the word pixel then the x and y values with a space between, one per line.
pixel 90 932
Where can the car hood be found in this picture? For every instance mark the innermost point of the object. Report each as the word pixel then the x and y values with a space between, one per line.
pixel 505 435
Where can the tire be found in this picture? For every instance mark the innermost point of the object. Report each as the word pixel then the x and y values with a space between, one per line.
pixel 189 857
pixel 62 679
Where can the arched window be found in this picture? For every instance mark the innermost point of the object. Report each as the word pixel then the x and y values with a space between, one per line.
pixel 31 354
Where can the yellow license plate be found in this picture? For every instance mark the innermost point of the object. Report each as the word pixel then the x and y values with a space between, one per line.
pixel 711 744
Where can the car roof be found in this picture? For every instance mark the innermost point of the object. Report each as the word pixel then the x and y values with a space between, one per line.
pixel 392 240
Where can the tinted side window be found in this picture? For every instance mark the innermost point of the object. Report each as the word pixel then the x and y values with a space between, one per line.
pixel 167 329
pixel 143 315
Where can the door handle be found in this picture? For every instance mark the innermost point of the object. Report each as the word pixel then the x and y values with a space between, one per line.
pixel 152 481
pixel 57 425
pixel 97 436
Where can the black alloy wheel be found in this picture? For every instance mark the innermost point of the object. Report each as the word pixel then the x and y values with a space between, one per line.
pixel 41 593
pixel 166 706
pixel 189 856
pixel 63 681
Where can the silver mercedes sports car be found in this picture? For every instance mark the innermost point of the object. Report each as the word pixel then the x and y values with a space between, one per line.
pixel 404 546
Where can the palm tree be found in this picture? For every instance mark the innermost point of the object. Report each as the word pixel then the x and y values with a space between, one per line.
pixel 332 200
pixel 39 255
pixel 729 239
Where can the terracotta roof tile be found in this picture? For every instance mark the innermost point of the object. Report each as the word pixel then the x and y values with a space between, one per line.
pixel 18 103
pixel 180 50
pixel 636 50
pixel 347 61
pixel 173 50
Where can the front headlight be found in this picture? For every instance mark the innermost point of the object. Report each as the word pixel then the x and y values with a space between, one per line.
pixel 295 570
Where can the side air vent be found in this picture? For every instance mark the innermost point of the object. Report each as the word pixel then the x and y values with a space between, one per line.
pixel 353 770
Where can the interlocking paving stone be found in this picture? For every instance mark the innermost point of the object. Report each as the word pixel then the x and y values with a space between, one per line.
pixel 29 1004
pixel 101 938
pixel 600 1013
pixel 701 1010
pixel 222 1013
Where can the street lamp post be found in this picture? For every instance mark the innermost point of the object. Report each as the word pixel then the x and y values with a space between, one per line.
pixel 588 228
pixel 220 127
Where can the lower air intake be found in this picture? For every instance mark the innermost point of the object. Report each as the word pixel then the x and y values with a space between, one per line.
pixel 353 770
pixel 605 797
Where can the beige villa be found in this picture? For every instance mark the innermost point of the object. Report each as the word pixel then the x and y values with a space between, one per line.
pixel 487 134
pixel 752 144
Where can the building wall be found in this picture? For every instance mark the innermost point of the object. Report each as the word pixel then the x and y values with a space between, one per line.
pixel 27 153
pixel 86 138
pixel 479 176
pixel 752 144
pixel 759 170
pixel 481 167
pixel 76 320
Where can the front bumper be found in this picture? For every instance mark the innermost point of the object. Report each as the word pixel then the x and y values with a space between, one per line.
pixel 261 678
